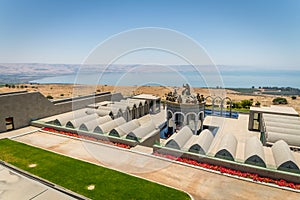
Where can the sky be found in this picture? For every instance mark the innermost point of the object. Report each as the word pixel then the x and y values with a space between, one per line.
pixel 261 33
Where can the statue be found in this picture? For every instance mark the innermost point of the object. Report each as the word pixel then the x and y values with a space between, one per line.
pixel 175 92
pixel 187 89
pixel 179 99
pixel 198 98
pixel 202 98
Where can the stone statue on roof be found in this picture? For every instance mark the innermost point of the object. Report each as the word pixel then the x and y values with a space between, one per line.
pixel 186 90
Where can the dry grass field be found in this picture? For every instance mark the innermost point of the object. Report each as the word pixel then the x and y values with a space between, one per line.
pixel 60 91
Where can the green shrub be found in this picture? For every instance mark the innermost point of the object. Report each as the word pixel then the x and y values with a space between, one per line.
pixel 279 100
pixel 246 103
pixel 49 97
pixel 294 97
pixel 257 103
pixel 236 105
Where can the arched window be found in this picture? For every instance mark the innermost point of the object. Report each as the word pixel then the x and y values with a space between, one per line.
pixel 179 120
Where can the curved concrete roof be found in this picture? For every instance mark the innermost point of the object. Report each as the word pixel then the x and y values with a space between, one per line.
pixel 282 125
pixel 254 152
pixel 283 157
pixel 191 141
pixel 200 144
pixel 283 130
pixel 137 102
pixel 141 131
pixel 146 96
pixel 117 112
pixel 75 123
pixel 227 147
pixel 100 113
pixel 141 101
pixel 293 140
pixel 91 125
pixel 90 111
pixel 108 126
pixel 276 116
pixel 281 119
pixel 61 120
pixel 131 105
pixel 125 128
pixel 178 140
pixel 122 107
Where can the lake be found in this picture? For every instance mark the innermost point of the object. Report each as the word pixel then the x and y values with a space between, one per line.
pixel 229 79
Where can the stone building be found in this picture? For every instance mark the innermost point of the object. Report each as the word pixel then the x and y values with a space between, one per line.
pixel 18 109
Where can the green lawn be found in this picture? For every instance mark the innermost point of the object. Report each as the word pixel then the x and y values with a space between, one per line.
pixel 77 175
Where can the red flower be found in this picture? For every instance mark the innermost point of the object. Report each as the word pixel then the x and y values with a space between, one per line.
pixel 254 177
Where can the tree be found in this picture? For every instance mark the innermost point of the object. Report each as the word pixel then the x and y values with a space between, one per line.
pixel 49 97
pixel 294 97
pixel 246 103
pixel 236 105
pixel 279 100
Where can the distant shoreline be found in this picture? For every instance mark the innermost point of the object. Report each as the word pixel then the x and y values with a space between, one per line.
pixel 224 76
pixel 175 79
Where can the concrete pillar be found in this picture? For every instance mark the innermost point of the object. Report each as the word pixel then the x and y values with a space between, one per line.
pixel 250 123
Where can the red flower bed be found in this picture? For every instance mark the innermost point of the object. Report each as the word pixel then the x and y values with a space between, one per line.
pixel 86 137
pixel 225 170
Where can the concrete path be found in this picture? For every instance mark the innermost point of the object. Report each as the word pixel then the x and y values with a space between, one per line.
pixel 199 183
pixel 14 186
pixel 13 133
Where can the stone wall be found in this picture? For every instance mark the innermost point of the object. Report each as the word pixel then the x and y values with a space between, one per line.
pixel 25 107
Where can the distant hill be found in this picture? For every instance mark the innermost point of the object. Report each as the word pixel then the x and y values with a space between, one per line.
pixel 24 72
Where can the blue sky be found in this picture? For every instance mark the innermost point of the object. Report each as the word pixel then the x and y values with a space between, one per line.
pixel 263 33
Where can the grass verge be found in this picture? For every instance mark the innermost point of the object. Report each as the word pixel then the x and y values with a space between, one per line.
pixel 77 175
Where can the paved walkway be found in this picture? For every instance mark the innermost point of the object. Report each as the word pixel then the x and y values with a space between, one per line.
pixel 199 183
pixel 18 132
pixel 14 186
